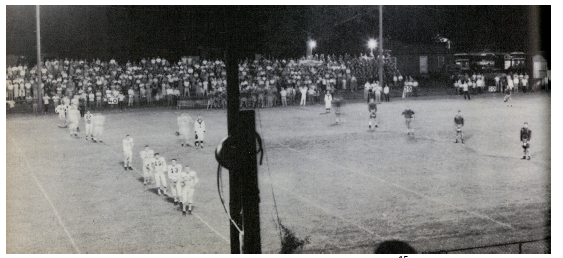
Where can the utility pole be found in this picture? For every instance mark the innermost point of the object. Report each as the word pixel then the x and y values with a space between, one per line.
pixel 38 71
pixel 244 195
pixel 380 58
pixel 233 93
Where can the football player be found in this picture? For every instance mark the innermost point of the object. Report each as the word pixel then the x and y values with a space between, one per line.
pixel 525 137
pixel 127 152
pixel 372 108
pixel 184 121
pixel 88 125
pixel 147 155
pixel 409 116
pixel 458 121
pixel 73 120
pixel 98 121
pixel 188 179
pixel 61 110
pixel 199 128
pixel 159 164
pixel 174 170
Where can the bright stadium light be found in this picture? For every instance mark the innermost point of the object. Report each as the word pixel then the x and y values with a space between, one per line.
pixel 310 45
pixel 372 44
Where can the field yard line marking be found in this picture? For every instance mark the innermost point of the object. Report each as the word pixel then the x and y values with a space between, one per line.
pixel 327 212
pixel 204 222
pixel 48 200
pixel 413 192
pixel 226 240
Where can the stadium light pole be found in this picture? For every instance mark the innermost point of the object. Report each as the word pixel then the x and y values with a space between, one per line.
pixel 372 43
pixel 380 57
pixel 38 71
pixel 310 45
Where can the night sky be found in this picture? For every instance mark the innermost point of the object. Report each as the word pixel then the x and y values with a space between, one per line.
pixel 133 32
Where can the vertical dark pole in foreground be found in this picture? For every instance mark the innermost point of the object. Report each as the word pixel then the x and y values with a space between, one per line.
pixel 38 83
pixel 243 180
pixel 235 194
pixel 381 58
pixel 250 191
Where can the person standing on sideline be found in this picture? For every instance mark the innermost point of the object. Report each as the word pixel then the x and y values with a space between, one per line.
pixel 61 110
pixel 127 152
pixel 458 121
pixel 121 99
pixel 525 137
pixel 159 164
pixel 283 94
pixel 386 92
pixel 199 129
pixel 414 85
pixel 377 91
pixel 88 124
pixel 46 99
pixel 303 91
pixel 409 116
pixel 372 108
pixel 465 88
pixel 131 94
pixel 174 170
pixel 328 101
pixel 98 98
pixel 189 180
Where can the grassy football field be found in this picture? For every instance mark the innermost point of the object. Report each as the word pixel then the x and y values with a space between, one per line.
pixel 343 187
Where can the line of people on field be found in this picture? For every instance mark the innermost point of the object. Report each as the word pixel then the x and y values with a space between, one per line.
pixel 70 114
pixel 172 179
pixel 525 132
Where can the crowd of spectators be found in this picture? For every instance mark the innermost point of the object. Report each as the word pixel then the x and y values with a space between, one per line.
pixel 477 82
pixel 156 81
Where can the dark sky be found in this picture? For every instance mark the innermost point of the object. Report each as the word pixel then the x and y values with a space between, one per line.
pixel 132 32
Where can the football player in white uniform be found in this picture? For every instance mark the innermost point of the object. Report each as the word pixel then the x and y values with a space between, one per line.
pixel 147 156
pixel 184 121
pixel 98 121
pixel 61 110
pixel 127 152
pixel 174 170
pixel 89 125
pixel 199 128
pixel 188 179
pixel 73 120
pixel 159 164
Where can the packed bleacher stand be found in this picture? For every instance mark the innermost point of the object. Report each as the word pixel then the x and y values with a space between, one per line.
pixel 157 82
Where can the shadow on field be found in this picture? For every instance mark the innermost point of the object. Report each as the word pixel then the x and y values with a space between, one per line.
pixel 153 190
pixel 169 199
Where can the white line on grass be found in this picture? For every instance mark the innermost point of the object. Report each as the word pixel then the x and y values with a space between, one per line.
pixel 411 191
pixel 303 199
pixel 48 200
pixel 197 216
pixel 330 213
